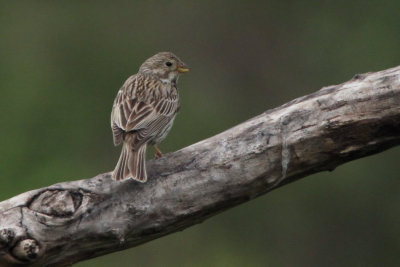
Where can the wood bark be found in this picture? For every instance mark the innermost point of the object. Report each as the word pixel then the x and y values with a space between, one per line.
pixel 74 221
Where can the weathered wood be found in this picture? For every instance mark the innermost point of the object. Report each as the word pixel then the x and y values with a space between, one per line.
pixel 73 221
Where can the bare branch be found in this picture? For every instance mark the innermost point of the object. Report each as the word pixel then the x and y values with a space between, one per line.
pixel 73 221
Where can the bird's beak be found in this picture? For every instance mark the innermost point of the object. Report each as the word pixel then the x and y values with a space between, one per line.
pixel 183 68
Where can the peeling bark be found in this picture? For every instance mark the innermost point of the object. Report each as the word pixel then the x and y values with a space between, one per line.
pixel 73 221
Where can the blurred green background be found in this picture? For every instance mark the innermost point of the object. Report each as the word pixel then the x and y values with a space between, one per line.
pixel 62 62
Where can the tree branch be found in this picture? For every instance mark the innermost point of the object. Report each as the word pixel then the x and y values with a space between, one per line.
pixel 73 221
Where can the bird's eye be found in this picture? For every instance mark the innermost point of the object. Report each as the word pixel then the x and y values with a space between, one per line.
pixel 169 64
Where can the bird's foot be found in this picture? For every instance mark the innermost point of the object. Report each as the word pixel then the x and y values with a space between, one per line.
pixel 158 154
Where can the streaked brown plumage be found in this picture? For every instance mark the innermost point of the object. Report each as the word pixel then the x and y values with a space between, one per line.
pixel 144 111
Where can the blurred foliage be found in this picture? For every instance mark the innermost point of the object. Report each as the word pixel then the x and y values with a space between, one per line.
pixel 62 63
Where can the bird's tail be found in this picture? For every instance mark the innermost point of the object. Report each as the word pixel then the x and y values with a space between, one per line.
pixel 131 163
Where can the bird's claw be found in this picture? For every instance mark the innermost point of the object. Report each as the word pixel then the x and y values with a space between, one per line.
pixel 158 153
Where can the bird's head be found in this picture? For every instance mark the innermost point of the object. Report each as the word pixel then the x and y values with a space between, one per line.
pixel 165 66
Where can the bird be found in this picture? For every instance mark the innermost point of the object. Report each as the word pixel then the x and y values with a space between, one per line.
pixel 144 111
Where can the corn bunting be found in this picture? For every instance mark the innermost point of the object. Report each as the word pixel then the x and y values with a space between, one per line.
pixel 144 111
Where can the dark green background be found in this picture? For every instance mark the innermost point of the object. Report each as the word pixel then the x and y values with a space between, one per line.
pixel 62 62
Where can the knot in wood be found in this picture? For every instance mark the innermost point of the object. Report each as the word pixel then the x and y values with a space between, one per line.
pixel 6 237
pixel 26 250
pixel 56 203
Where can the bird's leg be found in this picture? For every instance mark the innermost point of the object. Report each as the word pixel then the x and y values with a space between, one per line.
pixel 158 152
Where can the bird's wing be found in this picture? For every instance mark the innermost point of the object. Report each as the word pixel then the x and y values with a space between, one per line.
pixel 133 112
